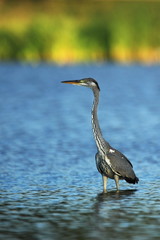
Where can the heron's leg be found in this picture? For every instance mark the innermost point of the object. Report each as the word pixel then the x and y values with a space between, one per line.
pixel 105 179
pixel 116 178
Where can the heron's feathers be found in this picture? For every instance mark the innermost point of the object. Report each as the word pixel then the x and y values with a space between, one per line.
pixel 121 166
pixel 131 180
pixel 103 167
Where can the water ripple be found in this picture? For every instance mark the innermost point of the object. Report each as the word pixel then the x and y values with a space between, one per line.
pixel 50 188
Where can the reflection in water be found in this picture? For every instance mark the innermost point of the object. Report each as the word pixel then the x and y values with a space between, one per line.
pixel 115 195
pixel 50 188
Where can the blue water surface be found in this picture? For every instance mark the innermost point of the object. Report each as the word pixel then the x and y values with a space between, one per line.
pixel 49 185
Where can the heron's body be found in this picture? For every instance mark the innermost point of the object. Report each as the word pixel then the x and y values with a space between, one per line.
pixel 110 162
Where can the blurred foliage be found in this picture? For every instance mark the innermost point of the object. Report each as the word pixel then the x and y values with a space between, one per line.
pixel 79 31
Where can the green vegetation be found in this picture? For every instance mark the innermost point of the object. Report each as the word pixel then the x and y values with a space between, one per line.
pixel 80 31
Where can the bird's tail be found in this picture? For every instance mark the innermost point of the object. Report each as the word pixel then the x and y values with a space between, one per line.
pixel 132 180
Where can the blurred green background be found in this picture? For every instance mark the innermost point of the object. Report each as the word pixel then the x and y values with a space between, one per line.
pixel 71 31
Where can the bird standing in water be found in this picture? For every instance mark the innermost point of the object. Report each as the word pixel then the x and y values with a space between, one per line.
pixel 110 162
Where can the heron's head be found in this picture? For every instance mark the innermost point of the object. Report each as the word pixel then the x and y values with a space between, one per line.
pixel 87 82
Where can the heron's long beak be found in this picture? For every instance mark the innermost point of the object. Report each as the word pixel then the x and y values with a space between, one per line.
pixel 75 82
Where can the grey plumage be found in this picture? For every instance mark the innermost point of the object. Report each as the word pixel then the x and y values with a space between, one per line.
pixel 110 162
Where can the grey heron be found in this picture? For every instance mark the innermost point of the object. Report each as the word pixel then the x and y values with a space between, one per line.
pixel 110 162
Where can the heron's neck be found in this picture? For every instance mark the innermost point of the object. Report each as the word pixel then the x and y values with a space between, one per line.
pixel 100 142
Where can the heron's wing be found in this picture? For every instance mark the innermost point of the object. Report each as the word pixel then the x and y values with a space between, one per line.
pixel 120 164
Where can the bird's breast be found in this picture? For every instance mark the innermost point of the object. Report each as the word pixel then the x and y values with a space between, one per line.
pixel 103 166
pixel 107 161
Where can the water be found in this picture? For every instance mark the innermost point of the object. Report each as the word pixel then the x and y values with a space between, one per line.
pixel 49 185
